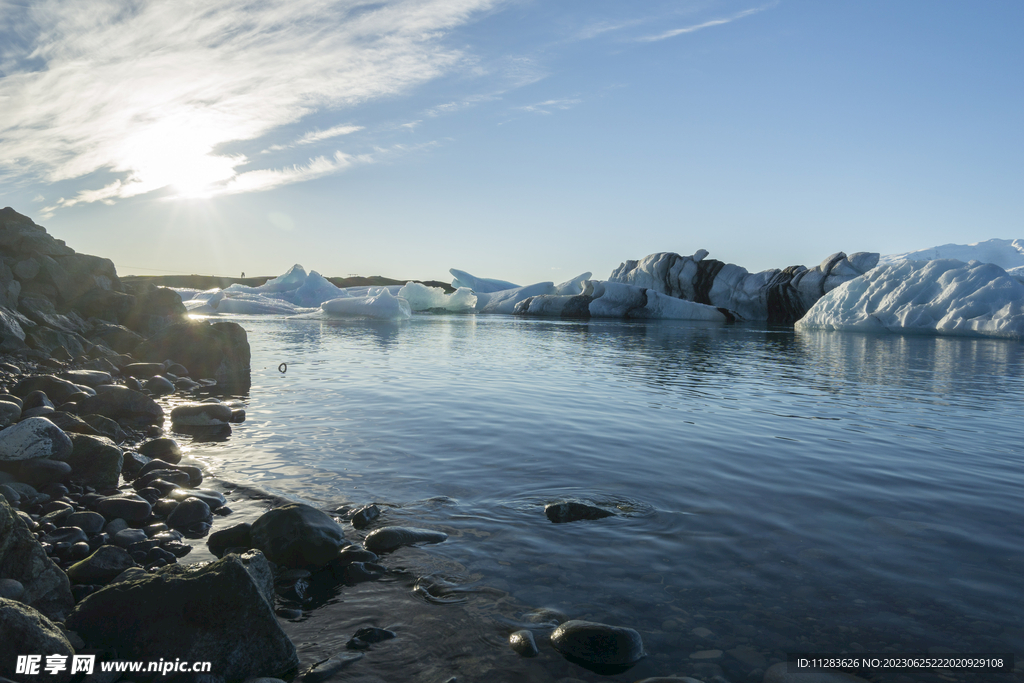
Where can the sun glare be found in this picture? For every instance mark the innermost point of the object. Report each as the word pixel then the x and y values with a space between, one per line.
pixel 176 152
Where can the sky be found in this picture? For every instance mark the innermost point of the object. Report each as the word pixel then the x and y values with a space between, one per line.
pixel 514 139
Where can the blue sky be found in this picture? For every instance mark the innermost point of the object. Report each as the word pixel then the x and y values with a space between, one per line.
pixel 520 140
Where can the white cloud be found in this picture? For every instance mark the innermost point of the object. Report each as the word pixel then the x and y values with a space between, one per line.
pixel 318 135
pixel 546 106
pixel 152 90
pixel 707 24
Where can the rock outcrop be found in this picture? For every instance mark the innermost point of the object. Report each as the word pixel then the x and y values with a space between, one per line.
pixel 218 350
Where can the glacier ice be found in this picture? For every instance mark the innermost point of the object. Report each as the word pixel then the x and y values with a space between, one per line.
pixel 1007 254
pixel 945 296
pixel 778 296
pixel 480 285
pixel 617 300
pixel 424 298
pixel 383 306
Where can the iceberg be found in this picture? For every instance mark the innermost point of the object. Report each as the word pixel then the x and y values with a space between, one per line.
pixel 1007 254
pixel 505 301
pixel 944 297
pixel 424 298
pixel 382 306
pixel 617 300
pixel 480 285
pixel 777 296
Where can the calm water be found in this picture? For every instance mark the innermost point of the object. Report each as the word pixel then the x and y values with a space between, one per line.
pixel 779 491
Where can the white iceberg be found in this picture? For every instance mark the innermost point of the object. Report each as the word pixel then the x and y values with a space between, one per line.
pixel 945 297
pixel 1007 254
pixel 505 301
pixel 382 306
pixel 600 299
pixel 480 285
pixel 423 298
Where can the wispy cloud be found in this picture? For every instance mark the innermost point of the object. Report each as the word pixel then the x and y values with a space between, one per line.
pixel 153 91
pixel 548 105
pixel 707 24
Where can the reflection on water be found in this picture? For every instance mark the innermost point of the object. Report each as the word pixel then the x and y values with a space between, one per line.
pixel 788 491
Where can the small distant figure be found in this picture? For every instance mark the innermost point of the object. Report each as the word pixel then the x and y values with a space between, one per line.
pixel 243 273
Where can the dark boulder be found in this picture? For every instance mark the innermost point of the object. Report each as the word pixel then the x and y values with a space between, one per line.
pixel 597 646
pixel 155 308
pixel 26 631
pixel 298 536
pixel 162 448
pixel 218 350
pixel 574 511
pixel 34 437
pixel 104 304
pixel 95 461
pixel 391 538
pixel 213 613
pixel 58 390
pixel 102 567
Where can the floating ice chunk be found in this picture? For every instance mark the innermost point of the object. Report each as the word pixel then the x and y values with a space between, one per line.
pixel 253 304
pixel 422 298
pixel 945 297
pixel 479 285
pixel 384 306
pixel 619 300
pixel 573 286
pixel 505 301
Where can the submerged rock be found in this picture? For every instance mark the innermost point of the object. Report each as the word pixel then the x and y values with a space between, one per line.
pixel 523 643
pixel 392 538
pixel 214 613
pixel 574 511
pixel 598 645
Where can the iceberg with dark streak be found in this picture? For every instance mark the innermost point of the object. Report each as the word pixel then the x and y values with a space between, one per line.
pixel 944 297
pixel 778 296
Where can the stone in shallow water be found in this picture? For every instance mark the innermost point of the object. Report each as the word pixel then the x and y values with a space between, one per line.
pixel 362 517
pixel 598 646
pixel 574 511
pixel 164 448
pixel 298 536
pixel 391 538
pixel 523 643
pixel 365 637
pixel 201 414
pixel 212 498
pixel 237 536
pixel 188 512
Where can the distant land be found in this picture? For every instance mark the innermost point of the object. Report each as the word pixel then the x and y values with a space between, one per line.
pixel 217 282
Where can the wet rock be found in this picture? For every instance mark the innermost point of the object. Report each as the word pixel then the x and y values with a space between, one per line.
pixel 105 427
pixel 353 553
pixel 188 513
pixel 128 508
pixel 329 668
pixel 227 619
pixel 133 463
pixel 365 637
pixel 26 631
pixel 101 567
pixel 143 370
pixel 88 521
pixel 71 423
pixel 65 534
pixel 90 378
pixel 23 559
pixel 362 517
pixel 258 567
pixel 238 536
pixel 159 385
pixel 122 403
pixel 523 644
pixel 174 478
pixel 96 461
pixel 214 499
pixel 201 415
pixel 298 536
pixel 162 449
pixel 126 537
pixel 42 471
pixel 359 572
pixel 58 390
pixel 591 644
pixel 574 511
pixel 391 538
pixel 34 437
